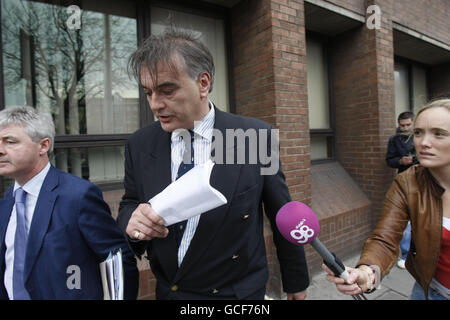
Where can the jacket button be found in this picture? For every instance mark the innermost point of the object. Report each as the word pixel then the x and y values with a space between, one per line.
pixel 215 291
pixel 245 217
pixel 235 256
pixel 174 288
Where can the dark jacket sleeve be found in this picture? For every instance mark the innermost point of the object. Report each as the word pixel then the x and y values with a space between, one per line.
pixel 393 156
pixel 382 247
pixel 103 236
pixel 293 266
pixel 129 203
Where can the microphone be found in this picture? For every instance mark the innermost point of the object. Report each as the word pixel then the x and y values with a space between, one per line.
pixel 299 225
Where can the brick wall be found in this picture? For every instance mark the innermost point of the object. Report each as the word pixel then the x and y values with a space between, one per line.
pixel 344 212
pixel 270 79
pixel 429 17
pixel 363 69
pixel 270 83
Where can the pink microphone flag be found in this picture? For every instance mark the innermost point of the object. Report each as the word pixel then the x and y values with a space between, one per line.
pixel 297 223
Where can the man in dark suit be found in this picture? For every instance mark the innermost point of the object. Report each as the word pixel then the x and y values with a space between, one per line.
pixel 55 228
pixel 219 254
pixel 400 152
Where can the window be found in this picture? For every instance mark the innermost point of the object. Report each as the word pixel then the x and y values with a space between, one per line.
pixel 320 121
pixel 80 75
pixel 420 87
pixel 411 90
pixel 401 78
pixel 212 33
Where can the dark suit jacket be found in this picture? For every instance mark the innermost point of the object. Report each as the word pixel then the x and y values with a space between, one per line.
pixel 399 146
pixel 227 256
pixel 71 226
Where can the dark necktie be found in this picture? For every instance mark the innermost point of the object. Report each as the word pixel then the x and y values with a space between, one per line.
pixel 184 167
pixel 20 246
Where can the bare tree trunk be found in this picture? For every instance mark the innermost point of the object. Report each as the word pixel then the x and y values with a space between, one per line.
pixel 74 126
pixel 60 128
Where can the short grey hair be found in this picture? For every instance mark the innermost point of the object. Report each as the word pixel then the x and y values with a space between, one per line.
pixel 165 48
pixel 38 125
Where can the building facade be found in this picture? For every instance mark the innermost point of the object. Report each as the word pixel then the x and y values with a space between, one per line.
pixel 332 76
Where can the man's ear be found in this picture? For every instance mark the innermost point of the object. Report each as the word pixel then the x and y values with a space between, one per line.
pixel 204 82
pixel 45 146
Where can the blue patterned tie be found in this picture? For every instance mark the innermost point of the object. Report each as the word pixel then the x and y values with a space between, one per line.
pixel 182 169
pixel 20 247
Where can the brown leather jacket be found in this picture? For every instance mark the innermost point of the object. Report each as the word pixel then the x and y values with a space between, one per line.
pixel 414 195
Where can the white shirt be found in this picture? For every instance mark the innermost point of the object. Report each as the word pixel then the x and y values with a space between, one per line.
pixel 32 188
pixel 202 152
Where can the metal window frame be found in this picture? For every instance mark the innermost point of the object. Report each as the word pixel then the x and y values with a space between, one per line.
pixel 409 64
pixel 143 22
pixel 330 133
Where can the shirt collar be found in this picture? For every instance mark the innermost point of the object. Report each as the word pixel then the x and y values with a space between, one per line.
pixel 34 185
pixel 202 128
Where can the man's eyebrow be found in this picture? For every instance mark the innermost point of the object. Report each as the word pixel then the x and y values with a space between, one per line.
pixel 8 136
pixel 162 85
pixel 166 84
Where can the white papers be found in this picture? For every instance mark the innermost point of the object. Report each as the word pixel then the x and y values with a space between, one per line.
pixel 111 271
pixel 188 196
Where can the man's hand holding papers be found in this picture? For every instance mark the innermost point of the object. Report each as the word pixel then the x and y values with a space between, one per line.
pixel 186 197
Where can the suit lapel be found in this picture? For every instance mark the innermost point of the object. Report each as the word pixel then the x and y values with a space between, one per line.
pixel 223 178
pixel 41 218
pixel 156 169
pixel 157 176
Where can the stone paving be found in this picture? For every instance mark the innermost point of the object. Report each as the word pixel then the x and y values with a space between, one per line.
pixel 397 285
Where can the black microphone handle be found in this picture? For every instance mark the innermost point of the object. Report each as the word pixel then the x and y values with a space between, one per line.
pixel 330 259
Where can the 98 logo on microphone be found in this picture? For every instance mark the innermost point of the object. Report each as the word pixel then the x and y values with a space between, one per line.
pixel 302 233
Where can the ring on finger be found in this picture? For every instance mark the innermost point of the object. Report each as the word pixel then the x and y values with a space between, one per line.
pixel 137 234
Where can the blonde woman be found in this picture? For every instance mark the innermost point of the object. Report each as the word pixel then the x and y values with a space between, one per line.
pixel 421 195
